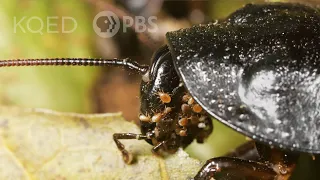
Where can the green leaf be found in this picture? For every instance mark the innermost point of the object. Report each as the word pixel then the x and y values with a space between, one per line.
pixel 42 144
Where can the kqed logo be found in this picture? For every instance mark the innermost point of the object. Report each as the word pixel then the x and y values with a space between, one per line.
pixel 106 24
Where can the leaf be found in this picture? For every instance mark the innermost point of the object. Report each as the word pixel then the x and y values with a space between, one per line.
pixel 42 144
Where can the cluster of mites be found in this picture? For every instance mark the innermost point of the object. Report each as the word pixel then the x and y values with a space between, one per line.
pixel 191 113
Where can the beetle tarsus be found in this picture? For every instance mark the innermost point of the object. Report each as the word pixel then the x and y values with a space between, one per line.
pixel 155 149
pixel 127 157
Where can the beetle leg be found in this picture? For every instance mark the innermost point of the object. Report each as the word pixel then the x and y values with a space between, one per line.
pixel 156 148
pixel 274 163
pixel 233 168
pixel 283 161
pixel 246 151
pixel 127 157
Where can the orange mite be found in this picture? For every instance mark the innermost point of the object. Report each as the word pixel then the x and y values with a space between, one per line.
pixel 183 122
pixel 185 108
pixel 183 132
pixel 144 118
pixel 197 108
pixel 190 101
pixel 156 117
pixel 164 97
pixel 186 98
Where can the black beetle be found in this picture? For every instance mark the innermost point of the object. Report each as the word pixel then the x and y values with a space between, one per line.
pixel 256 71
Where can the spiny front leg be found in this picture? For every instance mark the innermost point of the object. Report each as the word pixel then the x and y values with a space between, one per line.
pixel 127 157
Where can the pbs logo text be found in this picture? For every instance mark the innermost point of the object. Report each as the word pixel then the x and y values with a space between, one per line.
pixel 106 24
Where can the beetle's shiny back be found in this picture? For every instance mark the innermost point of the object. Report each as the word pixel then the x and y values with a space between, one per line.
pixel 258 72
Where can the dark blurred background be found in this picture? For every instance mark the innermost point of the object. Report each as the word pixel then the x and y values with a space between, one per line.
pixel 100 90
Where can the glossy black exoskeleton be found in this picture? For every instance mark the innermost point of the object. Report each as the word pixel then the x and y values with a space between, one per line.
pixel 257 72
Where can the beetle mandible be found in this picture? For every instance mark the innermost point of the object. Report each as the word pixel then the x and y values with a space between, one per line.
pixel 257 71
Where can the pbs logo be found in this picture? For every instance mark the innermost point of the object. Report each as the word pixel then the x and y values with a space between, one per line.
pixel 106 24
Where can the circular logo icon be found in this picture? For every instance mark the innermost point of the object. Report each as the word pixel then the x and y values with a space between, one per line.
pixel 106 24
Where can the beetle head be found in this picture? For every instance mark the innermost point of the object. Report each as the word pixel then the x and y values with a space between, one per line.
pixel 162 107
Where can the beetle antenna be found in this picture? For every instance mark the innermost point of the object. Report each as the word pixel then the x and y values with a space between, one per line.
pixel 125 63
